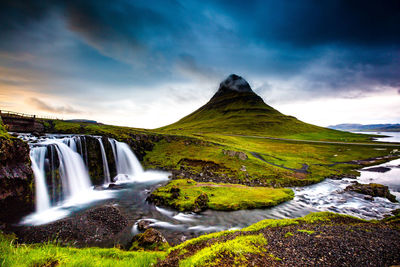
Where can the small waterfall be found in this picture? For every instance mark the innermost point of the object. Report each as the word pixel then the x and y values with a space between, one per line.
pixel 128 166
pixel 107 179
pixel 37 156
pixel 74 176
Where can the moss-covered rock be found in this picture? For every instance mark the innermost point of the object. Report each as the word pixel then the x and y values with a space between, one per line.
pixel 151 239
pixel 373 190
pixel 197 197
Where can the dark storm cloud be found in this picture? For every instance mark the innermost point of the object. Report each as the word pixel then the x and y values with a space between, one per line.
pixel 333 46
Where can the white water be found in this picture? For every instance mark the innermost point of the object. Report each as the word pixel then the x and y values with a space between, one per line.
pixel 74 176
pixel 75 182
pixel 42 198
pixel 128 166
pixel 107 179
pixel 77 190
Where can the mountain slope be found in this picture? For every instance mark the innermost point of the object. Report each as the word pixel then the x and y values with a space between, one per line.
pixel 236 109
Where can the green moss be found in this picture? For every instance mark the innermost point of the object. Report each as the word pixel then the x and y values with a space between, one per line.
pixel 3 133
pixel 237 248
pixel 288 234
pixel 220 196
pixel 310 218
pixel 13 254
pixel 305 231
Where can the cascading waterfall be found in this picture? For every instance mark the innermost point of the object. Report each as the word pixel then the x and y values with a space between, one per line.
pixel 127 165
pixel 62 178
pixel 74 176
pixel 106 170
pixel 37 156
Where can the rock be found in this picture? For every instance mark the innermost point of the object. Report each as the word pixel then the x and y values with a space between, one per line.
pixel 100 225
pixel 373 190
pixel 16 180
pixel 151 239
pixel 369 198
pixel 175 192
pixel 234 83
pixel 143 225
pixel 201 203
pixel 231 153
pixel 36 134
pixel 378 169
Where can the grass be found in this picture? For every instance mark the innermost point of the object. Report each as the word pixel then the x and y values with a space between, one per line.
pixel 221 196
pixel 323 160
pixel 310 218
pixel 13 254
pixel 238 248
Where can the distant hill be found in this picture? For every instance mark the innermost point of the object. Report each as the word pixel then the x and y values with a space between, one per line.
pixel 236 109
pixel 81 120
pixel 367 127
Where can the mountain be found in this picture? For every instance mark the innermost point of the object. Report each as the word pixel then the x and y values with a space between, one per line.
pixel 237 109
pixel 367 127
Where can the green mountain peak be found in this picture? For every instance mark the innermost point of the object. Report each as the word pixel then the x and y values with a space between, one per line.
pixel 237 109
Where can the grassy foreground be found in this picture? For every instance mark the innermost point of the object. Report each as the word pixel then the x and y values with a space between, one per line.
pixel 13 254
pixel 186 195
pixel 228 248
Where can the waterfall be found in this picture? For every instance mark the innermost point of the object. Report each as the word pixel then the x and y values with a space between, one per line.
pixel 37 156
pixel 62 179
pixel 106 171
pixel 127 165
pixel 74 176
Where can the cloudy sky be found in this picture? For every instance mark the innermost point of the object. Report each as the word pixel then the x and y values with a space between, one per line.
pixel 149 63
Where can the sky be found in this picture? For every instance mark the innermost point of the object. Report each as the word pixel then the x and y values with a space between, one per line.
pixel 149 63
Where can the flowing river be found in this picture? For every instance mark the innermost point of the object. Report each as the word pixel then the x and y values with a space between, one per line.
pixel 65 157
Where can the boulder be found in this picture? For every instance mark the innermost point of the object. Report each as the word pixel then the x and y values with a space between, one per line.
pixel 373 190
pixel 201 203
pixel 143 225
pixel 151 239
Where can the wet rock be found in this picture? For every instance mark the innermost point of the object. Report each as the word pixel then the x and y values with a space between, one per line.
pixel 378 169
pixel 373 190
pixel 16 180
pixel 201 203
pixel 96 226
pixel 151 239
pixel 36 134
pixel 370 198
pixel 143 225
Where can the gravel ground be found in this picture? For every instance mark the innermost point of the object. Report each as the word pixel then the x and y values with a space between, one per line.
pixel 340 243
